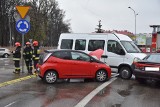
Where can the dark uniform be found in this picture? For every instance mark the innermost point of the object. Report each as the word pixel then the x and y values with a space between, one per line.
pixel 36 53
pixel 27 53
pixel 16 59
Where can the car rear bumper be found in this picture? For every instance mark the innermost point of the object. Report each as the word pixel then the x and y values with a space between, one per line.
pixel 147 74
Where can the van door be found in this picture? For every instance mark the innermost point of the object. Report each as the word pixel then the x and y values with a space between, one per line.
pixel 113 52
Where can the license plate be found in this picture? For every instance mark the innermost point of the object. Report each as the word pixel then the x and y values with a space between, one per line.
pixel 151 68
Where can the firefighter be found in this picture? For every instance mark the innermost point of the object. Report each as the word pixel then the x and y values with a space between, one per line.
pixel 17 57
pixel 27 54
pixel 36 53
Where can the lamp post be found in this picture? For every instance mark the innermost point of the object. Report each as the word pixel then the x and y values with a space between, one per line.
pixel 135 14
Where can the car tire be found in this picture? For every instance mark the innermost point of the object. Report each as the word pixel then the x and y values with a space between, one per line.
pixel 125 73
pixel 141 80
pixel 101 76
pixel 5 55
pixel 50 77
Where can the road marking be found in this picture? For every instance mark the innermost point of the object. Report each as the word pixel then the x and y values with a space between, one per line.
pixel 16 80
pixel 115 75
pixel 86 99
pixel 10 104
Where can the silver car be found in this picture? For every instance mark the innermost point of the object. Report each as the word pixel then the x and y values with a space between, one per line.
pixel 4 52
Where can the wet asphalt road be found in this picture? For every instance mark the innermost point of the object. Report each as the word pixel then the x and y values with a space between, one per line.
pixel 35 93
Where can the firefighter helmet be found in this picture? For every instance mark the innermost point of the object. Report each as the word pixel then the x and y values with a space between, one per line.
pixel 35 43
pixel 28 43
pixel 17 44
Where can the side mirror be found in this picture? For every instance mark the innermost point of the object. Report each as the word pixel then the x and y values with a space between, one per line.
pixel 104 56
pixel 91 60
pixel 122 52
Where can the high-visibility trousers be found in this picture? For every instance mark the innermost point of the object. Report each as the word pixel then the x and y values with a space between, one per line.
pixel 29 65
pixel 17 65
pixel 35 63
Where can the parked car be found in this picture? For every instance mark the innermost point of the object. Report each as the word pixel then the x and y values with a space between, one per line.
pixel 4 52
pixel 148 68
pixel 64 64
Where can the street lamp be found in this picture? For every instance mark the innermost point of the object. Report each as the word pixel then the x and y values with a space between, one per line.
pixel 135 14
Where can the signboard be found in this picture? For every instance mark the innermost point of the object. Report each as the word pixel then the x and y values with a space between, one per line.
pixel 141 39
pixel 22 26
pixel 23 10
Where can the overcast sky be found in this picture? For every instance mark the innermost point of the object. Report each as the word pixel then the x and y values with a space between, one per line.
pixel 114 14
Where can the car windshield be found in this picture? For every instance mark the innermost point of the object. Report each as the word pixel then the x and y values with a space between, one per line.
pixel 130 47
pixel 153 58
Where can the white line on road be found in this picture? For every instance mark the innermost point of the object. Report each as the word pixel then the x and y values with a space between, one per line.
pixel 10 104
pixel 86 99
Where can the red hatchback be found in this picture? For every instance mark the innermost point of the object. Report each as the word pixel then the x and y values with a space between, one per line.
pixel 63 64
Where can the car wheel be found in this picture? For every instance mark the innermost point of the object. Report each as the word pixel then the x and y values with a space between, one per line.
pixel 141 80
pixel 5 55
pixel 101 76
pixel 50 77
pixel 125 73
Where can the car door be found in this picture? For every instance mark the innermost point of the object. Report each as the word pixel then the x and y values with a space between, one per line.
pixel 63 62
pixel 81 65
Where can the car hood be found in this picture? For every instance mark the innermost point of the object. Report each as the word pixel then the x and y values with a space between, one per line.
pixel 139 55
pixel 97 53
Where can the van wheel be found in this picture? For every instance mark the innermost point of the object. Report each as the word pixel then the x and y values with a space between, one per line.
pixel 125 73
pixel 101 76
pixel 50 77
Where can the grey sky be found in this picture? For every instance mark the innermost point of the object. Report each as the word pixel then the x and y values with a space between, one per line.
pixel 114 14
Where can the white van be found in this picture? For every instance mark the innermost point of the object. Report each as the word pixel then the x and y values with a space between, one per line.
pixel 119 50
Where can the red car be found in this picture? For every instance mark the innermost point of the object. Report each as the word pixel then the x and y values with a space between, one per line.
pixel 64 64
pixel 148 68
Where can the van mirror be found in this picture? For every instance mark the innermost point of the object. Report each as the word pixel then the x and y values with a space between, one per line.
pixel 121 52
pixel 104 56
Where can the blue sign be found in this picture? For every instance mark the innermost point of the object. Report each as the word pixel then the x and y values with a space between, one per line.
pixel 22 26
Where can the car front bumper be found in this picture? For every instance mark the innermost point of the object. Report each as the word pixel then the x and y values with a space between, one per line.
pixel 147 74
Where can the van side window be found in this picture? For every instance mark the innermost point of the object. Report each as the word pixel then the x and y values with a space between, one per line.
pixel 80 44
pixel 113 46
pixel 66 44
pixel 95 44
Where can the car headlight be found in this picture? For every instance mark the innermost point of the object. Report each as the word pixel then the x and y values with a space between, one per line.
pixel 136 59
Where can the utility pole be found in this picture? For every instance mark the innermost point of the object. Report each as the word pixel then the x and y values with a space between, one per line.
pixel 10 33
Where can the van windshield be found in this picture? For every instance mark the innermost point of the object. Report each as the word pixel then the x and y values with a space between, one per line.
pixel 130 47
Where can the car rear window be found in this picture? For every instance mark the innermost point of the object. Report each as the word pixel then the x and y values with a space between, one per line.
pixel 153 58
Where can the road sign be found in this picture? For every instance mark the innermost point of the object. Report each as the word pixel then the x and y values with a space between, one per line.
pixel 18 17
pixel 23 10
pixel 22 26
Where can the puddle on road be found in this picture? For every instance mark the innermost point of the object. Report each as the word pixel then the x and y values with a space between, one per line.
pixel 124 93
